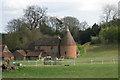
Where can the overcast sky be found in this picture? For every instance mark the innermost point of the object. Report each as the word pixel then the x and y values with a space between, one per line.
pixel 85 10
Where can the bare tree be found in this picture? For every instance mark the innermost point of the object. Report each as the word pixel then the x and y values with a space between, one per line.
pixel 70 21
pixel 73 22
pixel 15 25
pixel 54 23
pixel 34 16
pixel 83 25
pixel 109 13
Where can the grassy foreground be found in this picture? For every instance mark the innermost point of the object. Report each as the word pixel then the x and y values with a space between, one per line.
pixel 85 70
pixel 77 71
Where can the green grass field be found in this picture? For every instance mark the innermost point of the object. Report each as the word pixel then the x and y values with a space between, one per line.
pixel 100 51
pixel 79 70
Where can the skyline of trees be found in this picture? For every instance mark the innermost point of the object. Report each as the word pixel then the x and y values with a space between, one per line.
pixel 35 24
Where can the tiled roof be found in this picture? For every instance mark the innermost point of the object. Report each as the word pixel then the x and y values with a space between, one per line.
pixel 47 42
pixel 5 54
pixel 67 39
pixel 22 52
pixel 33 53
pixel 2 47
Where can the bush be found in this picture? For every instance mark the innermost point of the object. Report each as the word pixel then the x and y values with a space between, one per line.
pixel 109 34
pixel 81 49
pixel 95 40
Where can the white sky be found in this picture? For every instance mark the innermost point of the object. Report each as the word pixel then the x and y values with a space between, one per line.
pixel 84 10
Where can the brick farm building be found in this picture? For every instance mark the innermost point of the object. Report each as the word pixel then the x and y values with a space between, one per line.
pixel 57 47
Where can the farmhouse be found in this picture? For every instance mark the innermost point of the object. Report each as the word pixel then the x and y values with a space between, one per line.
pixel 5 53
pixel 57 47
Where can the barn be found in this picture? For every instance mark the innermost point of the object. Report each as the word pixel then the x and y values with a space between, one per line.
pixel 49 46
pixel 19 55
pixel 5 53
pixel 33 55
pixel 57 47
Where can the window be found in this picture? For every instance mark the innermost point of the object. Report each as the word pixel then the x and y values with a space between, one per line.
pixel 65 52
pixel 44 52
pixel 38 47
pixel 51 47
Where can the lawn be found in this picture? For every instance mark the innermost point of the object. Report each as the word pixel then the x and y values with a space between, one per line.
pixel 77 71
pixel 82 68
pixel 101 51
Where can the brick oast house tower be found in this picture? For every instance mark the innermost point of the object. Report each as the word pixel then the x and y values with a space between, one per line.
pixel 57 47
pixel 68 45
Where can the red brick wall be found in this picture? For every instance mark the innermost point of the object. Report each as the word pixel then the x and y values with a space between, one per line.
pixel 70 51
pixel 48 50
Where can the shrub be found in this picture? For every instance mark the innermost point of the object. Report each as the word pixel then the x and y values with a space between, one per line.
pixel 81 49
pixel 95 40
pixel 109 34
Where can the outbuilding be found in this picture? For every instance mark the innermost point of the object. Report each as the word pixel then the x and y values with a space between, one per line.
pixel 20 55
pixel 34 55
pixel 5 52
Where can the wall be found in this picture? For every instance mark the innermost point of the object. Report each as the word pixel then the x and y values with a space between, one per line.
pixel 18 56
pixel 11 58
pixel 70 51
pixel 32 58
pixel 50 50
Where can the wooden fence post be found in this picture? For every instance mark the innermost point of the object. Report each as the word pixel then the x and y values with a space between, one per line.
pixel 102 61
pixel 91 61
pixel 114 61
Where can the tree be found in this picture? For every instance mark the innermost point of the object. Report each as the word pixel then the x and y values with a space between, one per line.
pixel 55 23
pixel 83 25
pixel 46 29
pixel 17 39
pixel 115 22
pixel 85 36
pixel 95 29
pixel 73 24
pixel 109 34
pixel 75 33
pixel 15 25
pixel 34 16
pixel 70 21
pixel 109 13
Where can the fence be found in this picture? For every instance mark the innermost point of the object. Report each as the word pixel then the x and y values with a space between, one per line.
pixel 98 61
pixel 68 62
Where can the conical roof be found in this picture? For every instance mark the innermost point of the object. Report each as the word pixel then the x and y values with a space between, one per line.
pixel 67 39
